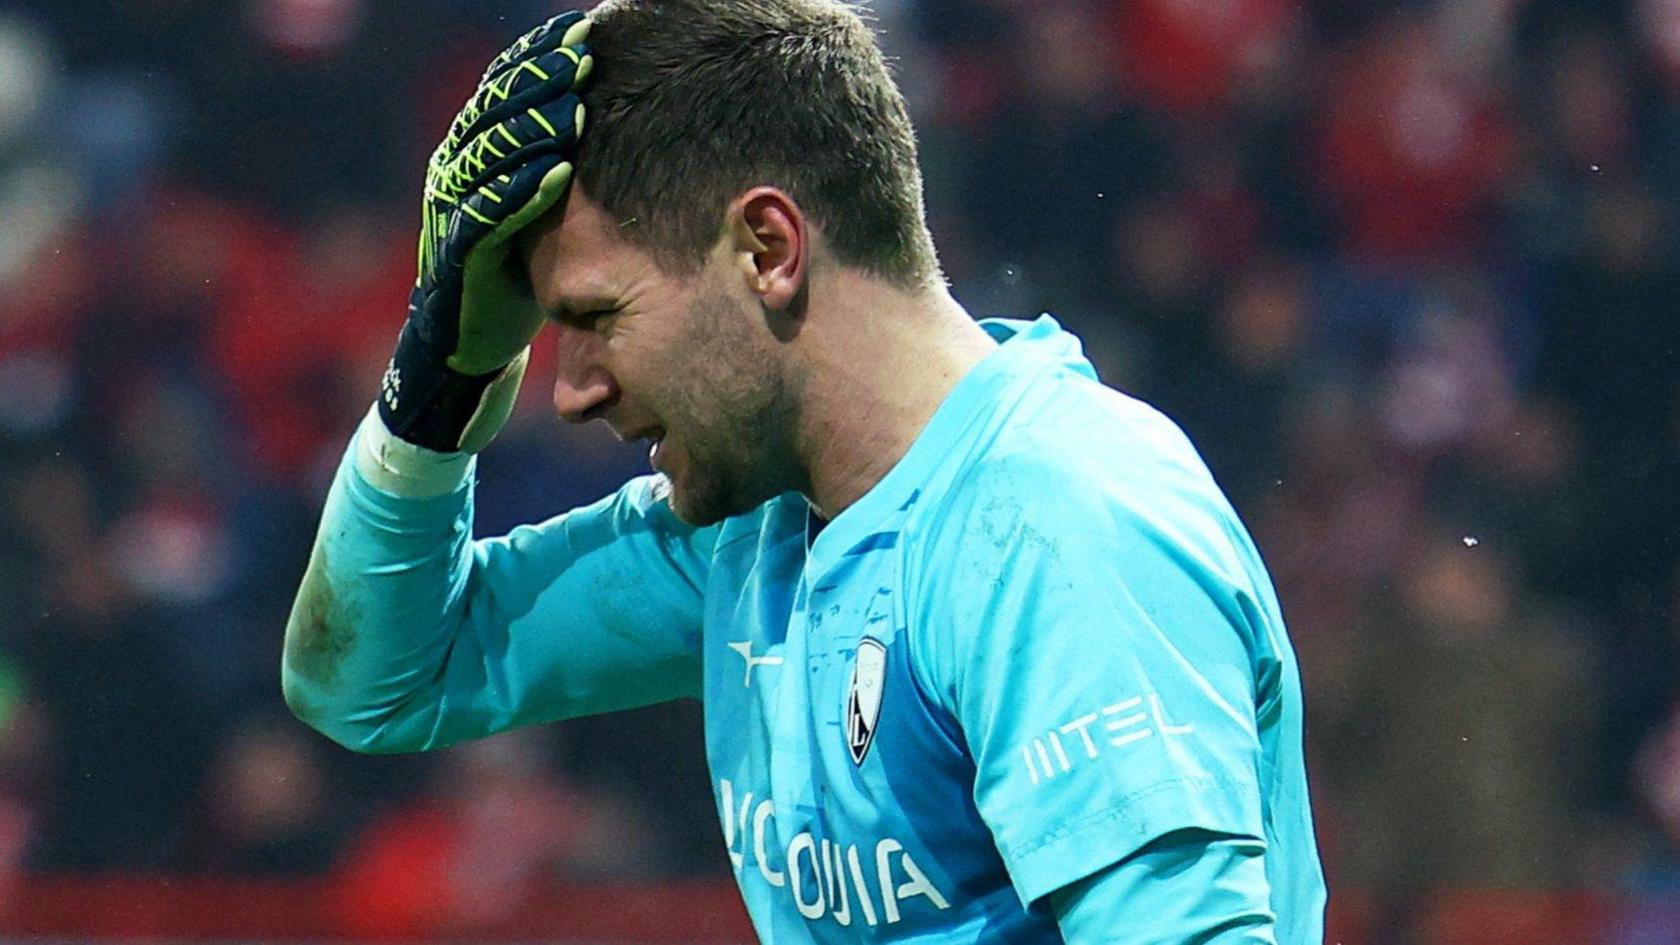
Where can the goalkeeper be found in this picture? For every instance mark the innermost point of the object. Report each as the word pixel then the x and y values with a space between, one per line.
pixel 984 653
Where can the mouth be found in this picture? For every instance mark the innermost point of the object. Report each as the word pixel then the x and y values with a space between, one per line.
pixel 656 438
pixel 650 433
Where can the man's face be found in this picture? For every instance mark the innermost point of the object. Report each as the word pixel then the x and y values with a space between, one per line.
pixel 687 361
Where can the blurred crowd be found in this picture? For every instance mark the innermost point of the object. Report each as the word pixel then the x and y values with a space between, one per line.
pixel 1406 272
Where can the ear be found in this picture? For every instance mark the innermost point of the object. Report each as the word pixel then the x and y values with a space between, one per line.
pixel 769 236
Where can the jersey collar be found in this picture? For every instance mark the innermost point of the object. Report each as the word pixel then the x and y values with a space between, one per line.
pixel 1025 348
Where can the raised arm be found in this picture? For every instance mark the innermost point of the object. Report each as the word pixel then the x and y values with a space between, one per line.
pixel 406 635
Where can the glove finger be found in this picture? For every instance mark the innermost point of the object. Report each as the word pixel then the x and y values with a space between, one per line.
pixel 452 227
pixel 501 206
pixel 530 193
pixel 528 83
pixel 494 326
pixel 565 29
pixel 544 129
pixel 465 230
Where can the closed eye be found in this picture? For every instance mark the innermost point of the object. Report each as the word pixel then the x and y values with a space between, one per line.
pixel 589 320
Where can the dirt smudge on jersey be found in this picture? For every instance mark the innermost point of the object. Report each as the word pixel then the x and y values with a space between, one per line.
pixel 322 630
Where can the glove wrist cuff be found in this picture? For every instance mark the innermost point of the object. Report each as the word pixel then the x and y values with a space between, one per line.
pixel 400 468
pixel 425 402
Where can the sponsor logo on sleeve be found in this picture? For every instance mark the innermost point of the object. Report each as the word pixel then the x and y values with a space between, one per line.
pixel 1111 728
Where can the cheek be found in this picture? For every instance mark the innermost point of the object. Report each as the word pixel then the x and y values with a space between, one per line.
pixel 693 360
pixel 694 352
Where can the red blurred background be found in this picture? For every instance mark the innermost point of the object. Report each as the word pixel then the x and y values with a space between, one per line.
pixel 1407 272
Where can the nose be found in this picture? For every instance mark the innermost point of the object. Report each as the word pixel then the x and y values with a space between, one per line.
pixel 581 382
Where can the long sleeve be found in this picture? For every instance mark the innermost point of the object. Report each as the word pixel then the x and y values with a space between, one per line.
pixel 408 635
pixel 1190 886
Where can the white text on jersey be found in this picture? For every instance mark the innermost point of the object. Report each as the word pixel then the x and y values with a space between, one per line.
pixel 822 875
pixel 1122 723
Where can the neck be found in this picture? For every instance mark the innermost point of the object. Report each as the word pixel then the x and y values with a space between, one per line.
pixel 877 362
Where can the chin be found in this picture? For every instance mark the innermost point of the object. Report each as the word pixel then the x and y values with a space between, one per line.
pixel 703 504
pixel 692 509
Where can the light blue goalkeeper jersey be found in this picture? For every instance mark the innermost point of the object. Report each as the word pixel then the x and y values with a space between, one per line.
pixel 1043 640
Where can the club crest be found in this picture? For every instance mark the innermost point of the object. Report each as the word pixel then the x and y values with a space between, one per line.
pixel 863 697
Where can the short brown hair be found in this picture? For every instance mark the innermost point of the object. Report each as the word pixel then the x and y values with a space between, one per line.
pixel 694 101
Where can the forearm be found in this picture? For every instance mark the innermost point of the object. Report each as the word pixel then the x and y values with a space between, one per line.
pixel 380 604
pixel 407 635
pixel 1191 886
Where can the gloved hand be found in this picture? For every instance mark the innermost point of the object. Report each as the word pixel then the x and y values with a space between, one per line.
pixel 471 318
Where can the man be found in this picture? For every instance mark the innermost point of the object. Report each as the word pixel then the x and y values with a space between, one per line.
pixel 984 653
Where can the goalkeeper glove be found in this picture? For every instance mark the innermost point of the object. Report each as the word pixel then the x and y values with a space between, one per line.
pixel 471 318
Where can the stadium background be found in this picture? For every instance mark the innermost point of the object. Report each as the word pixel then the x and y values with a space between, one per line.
pixel 1407 272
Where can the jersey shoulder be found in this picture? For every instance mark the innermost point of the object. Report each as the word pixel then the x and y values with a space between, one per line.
pixel 1103 489
pixel 1077 458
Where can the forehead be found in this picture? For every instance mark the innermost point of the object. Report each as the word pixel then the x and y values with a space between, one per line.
pixel 580 252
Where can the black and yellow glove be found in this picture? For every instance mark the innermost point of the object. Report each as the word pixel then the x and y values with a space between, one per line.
pixel 471 318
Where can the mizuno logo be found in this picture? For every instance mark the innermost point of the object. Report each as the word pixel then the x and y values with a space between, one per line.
pixel 744 647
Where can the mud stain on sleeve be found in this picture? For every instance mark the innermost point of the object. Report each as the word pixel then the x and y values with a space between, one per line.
pixel 322 630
